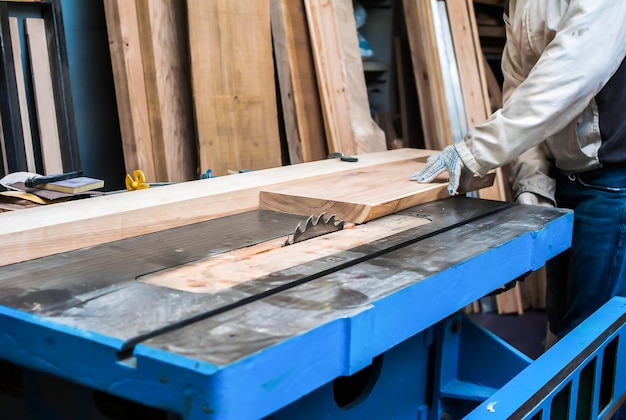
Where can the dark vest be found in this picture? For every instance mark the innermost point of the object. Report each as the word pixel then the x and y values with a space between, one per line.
pixel 612 108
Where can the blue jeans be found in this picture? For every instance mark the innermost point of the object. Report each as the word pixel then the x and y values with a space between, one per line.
pixel 593 270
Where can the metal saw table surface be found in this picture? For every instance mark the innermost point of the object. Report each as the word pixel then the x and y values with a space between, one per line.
pixel 257 347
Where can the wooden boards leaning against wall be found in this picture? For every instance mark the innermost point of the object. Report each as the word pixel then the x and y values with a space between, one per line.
pixel 341 80
pixel 148 53
pixel 302 112
pixel 233 85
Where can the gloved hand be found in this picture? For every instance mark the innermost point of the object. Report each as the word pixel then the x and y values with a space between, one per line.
pixel 533 199
pixel 446 160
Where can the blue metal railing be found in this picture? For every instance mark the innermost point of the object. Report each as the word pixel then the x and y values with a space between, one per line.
pixel 583 376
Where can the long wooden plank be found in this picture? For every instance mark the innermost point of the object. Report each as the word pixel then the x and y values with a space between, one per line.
pixel 224 271
pixel 165 57
pixel 44 96
pixel 302 111
pixel 233 85
pixel 49 230
pixel 428 77
pixel 21 94
pixel 130 88
pixel 358 196
pixel 469 60
pixel 341 80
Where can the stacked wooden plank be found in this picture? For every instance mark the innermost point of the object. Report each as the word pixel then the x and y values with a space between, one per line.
pixel 227 118
pixel 150 68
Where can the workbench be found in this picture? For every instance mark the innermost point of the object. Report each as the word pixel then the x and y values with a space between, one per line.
pixel 374 331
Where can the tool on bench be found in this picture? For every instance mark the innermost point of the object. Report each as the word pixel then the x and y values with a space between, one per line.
pixel 32 182
pixel 342 157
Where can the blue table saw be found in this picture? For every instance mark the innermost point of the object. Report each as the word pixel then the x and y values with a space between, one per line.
pixel 375 331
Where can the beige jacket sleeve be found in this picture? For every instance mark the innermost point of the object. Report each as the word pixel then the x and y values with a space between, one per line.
pixel 543 97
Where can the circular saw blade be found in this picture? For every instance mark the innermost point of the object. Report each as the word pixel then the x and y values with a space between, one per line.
pixel 313 227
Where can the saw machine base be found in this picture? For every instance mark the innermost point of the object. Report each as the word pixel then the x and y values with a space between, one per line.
pixel 371 331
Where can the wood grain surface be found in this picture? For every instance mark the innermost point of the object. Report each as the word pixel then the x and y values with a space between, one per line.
pixel 302 110
pixel 361 195
pixel 83 223
pixel 44 96
pixel 341 80
pixel 233 84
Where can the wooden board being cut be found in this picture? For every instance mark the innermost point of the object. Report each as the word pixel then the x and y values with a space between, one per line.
pixel 224 271
pixel 81 223
pixel 360 195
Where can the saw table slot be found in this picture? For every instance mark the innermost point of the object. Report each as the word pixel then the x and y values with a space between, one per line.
pixel 224 271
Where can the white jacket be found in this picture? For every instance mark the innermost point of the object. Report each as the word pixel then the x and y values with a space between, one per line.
pixel 558 56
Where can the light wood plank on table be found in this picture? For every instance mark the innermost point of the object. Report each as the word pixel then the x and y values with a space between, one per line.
pixel 360 195
pixel 48 230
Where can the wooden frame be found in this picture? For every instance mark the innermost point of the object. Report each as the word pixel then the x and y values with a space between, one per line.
pixel 50 11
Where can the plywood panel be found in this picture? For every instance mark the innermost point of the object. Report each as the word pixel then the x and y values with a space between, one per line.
pixel 233 85
pixel 341 80
pixel 302 112
pixel 44 96
pixel 360 195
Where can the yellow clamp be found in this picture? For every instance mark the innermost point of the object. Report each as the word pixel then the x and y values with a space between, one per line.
pixel 138 183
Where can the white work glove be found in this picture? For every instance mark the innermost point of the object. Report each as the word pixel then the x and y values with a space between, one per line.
pixel 533 199
pixel 446 160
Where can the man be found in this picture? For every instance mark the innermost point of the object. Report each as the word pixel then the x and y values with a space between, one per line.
pixel 564 123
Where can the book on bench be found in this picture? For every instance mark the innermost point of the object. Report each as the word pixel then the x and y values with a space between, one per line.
pixel 73 185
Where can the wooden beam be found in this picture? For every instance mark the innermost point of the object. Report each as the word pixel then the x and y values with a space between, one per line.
pixel 44 96
pixel 304 122
pixel 130 88
pixel 341 79
pixel 21 94
pixel 165 57
pixel 233 83
pixel 48 230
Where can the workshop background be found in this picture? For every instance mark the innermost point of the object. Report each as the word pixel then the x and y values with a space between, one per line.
pixel 124 95
pixel 184 90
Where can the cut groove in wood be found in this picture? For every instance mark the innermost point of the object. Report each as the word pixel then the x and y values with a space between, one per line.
pixel 224 271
